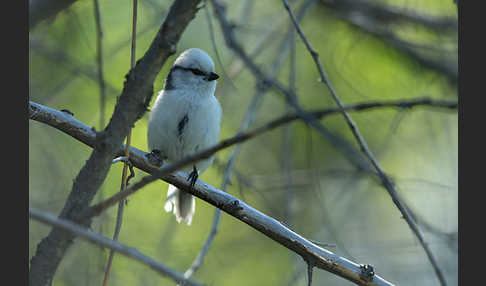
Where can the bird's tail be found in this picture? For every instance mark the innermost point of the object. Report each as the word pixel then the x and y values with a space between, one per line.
pixel 181 203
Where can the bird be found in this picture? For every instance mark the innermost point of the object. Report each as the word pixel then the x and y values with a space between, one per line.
pixel 185 118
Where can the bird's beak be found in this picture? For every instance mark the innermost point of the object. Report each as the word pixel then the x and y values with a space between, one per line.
pixel 212 76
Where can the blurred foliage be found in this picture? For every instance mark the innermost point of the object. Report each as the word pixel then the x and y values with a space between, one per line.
pixel 332 202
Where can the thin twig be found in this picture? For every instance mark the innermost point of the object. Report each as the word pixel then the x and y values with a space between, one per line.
pixel 77 68
pixel 124 179
pixel 386 181
pixel 338 142
pixel 85 134
pixel 309 274
pixel 246 122
pixel 388 14
pixel 101 83
pixel 286 138
pixel 99 58
pixel 103 241
pixel 361 14
pixel 268 226
pixel 131 106
pixel 213 42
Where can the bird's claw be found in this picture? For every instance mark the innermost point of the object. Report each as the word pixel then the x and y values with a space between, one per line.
pixel 193 176
pixel 124 159
pixel 154 158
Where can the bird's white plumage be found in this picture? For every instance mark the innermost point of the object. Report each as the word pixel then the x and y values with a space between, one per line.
pixel 184 120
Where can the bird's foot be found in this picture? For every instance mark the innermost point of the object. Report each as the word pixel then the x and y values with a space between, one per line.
pixel 129 163
pixel 193 176
pixel 154 158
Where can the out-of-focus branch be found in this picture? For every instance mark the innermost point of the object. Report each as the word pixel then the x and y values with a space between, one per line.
pixel 386 181
pixel 131 105
pixel 374 19
pixel 73 127
pixel 124 178
pixel 262 78
pixel 59 57
pixel 102 241
pixel 40 10
pixel 68 124
pixel 268 226
pixel 246 122
pixel 99 61
pixel 388 14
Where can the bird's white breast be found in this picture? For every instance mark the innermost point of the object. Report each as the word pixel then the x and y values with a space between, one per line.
pixel 182 123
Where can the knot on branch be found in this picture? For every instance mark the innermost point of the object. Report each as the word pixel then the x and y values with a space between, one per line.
pixel 367 272
pixel 33 110
pixel 234 206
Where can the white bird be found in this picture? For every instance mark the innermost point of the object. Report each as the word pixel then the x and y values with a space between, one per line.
pixel 185 119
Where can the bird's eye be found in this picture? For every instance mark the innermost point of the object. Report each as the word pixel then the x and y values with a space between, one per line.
pixel 197 72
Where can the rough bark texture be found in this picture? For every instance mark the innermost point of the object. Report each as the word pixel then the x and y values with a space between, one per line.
pixel 132 104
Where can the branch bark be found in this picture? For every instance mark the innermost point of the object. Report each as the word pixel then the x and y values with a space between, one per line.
pixel 268 226
pixel 132 104
pixel 100 240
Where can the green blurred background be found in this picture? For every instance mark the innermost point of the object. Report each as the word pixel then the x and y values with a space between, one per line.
pixel 292 174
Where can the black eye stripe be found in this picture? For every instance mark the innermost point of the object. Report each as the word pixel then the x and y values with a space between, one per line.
pixel 194 71
pixel 197 72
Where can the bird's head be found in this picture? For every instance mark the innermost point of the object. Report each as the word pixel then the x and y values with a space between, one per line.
pixel 193 69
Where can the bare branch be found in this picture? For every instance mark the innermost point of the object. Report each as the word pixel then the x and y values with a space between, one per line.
pixel 99 60
pixel 309 274
pixel 268 226
pixel 373 19
pixel 87 135
pixel 132 104
pixel 246 122
pixel 60 57
pixel 386 181
pixel 124 178
pixel 388 14
pixel 100 240
pixel 338 142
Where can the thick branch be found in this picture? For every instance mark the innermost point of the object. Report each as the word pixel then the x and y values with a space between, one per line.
pixel 71 126
pixel 136 95
pixel 100 240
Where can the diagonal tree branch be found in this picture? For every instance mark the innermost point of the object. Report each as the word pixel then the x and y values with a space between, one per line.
pixel 69 125
pixel 100 240
pixel 262 78
pixel 124 178
pixel 386 181
pixel 373 19
pixel 99 61
pixel 388 14
pixel 131 105
pixel 246 122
